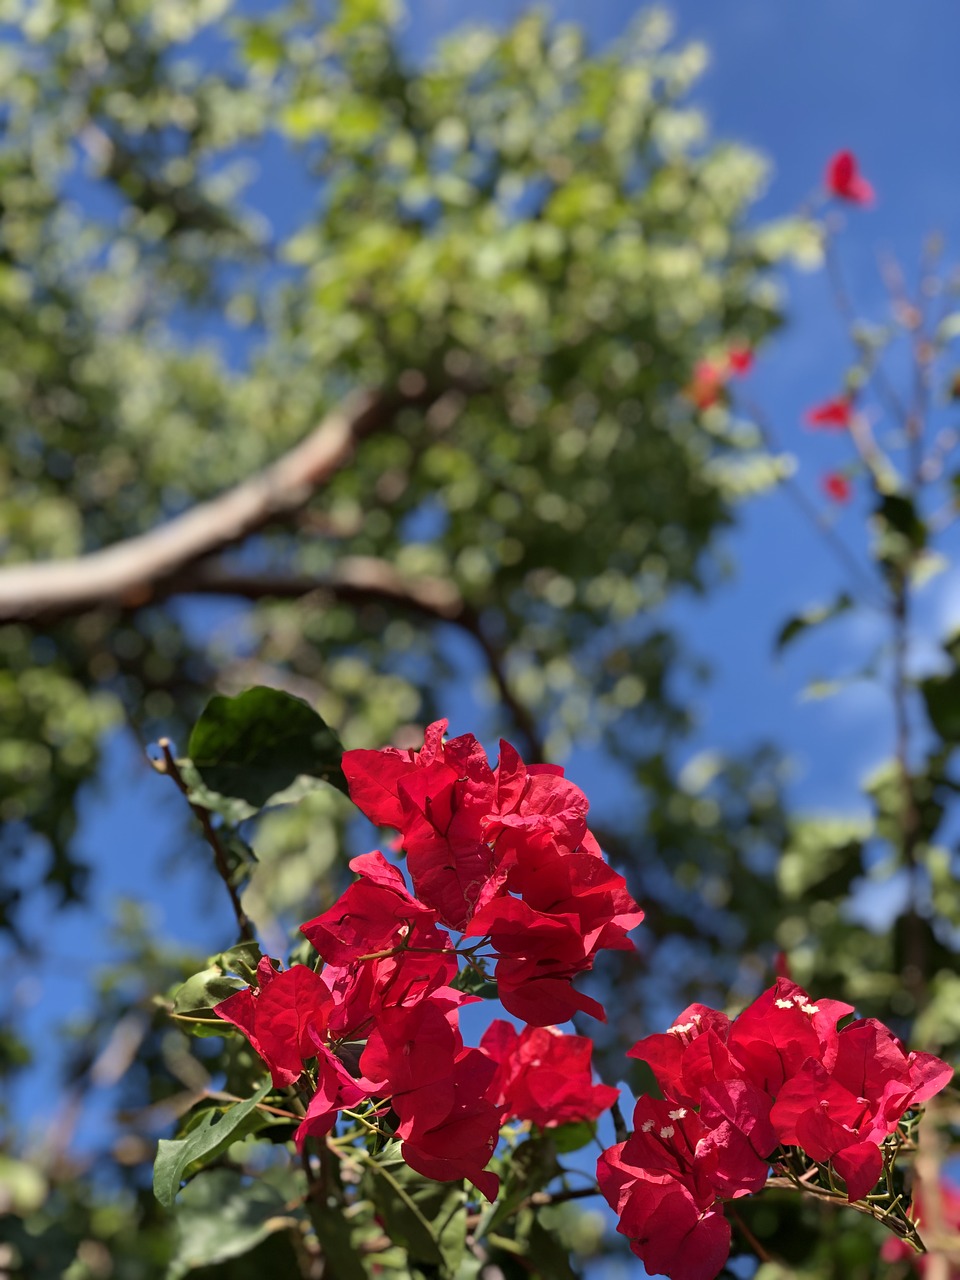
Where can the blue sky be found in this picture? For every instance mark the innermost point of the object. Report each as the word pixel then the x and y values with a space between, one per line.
pixel 797 82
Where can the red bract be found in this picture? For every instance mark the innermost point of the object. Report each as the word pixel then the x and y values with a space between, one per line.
pixel 831 415
pixel 375 914
pixel 845 181
pixel 539 954
pixel 581 885
pixel 437 798
pixel 544 1076
pixel 837 487
pixel 473 836
pixel 459 1145
pixel 775 1035
pixel 842 1111
pixel 282 1018
pixel 336 1088
pixel 437 1089
pixel 707 384
pixel 672 1223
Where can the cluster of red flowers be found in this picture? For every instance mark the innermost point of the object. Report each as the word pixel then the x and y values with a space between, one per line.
pixel 779 1075
pixel 502 856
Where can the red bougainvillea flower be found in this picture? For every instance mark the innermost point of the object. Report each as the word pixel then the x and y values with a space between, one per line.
pixel 710 377
pixel 281 1018
pixel 474 836
pixel 740 361
pixel 783 1073
pixel 845 182
pixel 539 953
pixel 672 1229
pixel 438 1089
pixel 544 1076
pixel 375 914
pixel 836 486
pixel 336 1088
pixel 707 384
pixel 830 415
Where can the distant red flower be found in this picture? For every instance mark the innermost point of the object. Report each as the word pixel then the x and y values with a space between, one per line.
pixel 740 361
pixel 710 377
pixel 845 181
pixel 706 386
pixel 836 486
pixel 831 415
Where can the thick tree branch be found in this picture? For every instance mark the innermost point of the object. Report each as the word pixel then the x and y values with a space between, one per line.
pixel 133 572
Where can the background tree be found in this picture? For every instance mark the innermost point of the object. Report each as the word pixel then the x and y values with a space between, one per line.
pixel 436 419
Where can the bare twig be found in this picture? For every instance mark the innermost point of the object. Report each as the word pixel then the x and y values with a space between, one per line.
pixel 168 765
pixel 810 513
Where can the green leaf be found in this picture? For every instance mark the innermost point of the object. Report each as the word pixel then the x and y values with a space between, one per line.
pixel 194 1000
pixel 256 744
pixel 528 1169
pixel 642 1081
pixel 242 958
pixel 341 1261
pixel 900 533
pixel 475 984
pixel 812 617
pixel 941 694
pixel 222 1215
pixel 209 1139
pixel 572 1137
pixel 550 1259
pixel 427 1218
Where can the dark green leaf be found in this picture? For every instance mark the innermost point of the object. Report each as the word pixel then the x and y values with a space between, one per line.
pixel 528 1169
pixel 223 1215
pixel 209 1139
pixel 427 1218
pixel 811 617
pixel 341 1259
pixel 550 1259
pixel 572 1137
pixel 941 695
pixel 257 743
pixel 242 959
pixel 475 984
pixel 642 1081
pixel 194 1001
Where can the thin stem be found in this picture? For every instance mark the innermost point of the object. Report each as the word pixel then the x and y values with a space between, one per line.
pixel 848 312
pixel 169 766
pixel 810 513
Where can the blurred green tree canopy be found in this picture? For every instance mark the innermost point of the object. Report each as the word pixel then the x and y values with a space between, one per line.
pixel 516 252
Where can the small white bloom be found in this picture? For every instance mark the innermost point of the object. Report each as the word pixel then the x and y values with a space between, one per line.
pixel 810 1008
pixel 667 1131
pixel 784 1004
pixel 646 1126
pixel 678 1114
